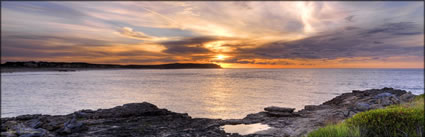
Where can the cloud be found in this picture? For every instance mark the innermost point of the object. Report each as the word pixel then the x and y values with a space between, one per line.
pixel 126 31
pixel 44 40
pixel 259 61
pixel 347 43
pixel 41 46
pixel 57 10
pixel 350 18
pixel 185 50
pixel 279 32
pixel 188 45
pixel 401 28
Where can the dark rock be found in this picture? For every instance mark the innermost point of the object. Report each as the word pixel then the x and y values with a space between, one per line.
pixel 349 100
pixel 387 99
pixel 356 95
pixel 357 91
pixel 232 122
pixel 366 93
pixel 133 109
pixel 396 92
pixel 34 123
pixel 84 113
pixel 376 106
pixel 383 95
pixel 347 113
pixel 338 100
pixel 34 133
pixel 310 107
pixel 281 114
pixel 8 125
pixel 53 123
pixel 8 134
pixel 27 117
pixel 72 126
pixel 24 131
pixel 407 97
pixel 323 106
pixel 279 109
pixel 395 100
pixel 255 118
pixel 387 88
pixel 66 70
pixel 362 106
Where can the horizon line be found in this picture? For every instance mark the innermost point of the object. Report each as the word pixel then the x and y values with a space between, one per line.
pixel 227 67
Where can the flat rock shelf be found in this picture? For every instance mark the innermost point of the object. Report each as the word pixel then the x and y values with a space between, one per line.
pixel 145 119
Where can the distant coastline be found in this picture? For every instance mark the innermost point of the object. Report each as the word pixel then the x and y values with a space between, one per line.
pixel 28 66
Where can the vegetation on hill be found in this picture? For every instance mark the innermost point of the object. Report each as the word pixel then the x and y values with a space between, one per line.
pixel 402 120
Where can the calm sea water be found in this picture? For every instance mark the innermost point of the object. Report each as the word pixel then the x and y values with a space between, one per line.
pixel 211 93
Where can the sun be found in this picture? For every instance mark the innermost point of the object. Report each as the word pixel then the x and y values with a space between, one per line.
pixel 220 57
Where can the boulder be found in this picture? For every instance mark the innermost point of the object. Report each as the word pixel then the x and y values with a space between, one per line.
pixel 279 109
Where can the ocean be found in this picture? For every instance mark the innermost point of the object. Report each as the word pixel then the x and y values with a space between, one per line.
pixel 206 93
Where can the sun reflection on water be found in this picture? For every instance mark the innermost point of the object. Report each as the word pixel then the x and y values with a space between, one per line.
pixel 218 93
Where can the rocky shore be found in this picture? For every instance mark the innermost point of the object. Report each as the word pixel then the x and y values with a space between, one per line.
pixel 145 119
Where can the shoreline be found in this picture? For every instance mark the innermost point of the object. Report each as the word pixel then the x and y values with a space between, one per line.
pixel 145 119
pixel 14 70
pixel 28 66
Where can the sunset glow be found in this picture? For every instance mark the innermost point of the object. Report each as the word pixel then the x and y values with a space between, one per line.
pixel 220 57
pixel 272 34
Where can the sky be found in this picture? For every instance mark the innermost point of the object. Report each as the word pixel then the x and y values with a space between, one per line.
pixel 243 34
